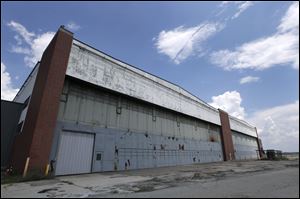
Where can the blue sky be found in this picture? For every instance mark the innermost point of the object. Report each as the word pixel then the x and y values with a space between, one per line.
pixel 242 57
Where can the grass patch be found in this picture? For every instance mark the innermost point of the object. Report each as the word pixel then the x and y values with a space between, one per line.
pixel 32 176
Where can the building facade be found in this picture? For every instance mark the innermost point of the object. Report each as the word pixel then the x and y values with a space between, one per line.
pixel 85 111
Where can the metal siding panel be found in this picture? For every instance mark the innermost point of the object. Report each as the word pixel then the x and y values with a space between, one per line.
pixel 124 119
pixel 103 112
pixel 72 107
pixel 140 120
pixel 111 115
pixel 89 110
pixel 112 74
pixel 133 120
pixel 245 146
pixel 26 89
pixel 97 113
pixel 150 123
pixel 82 110
pixel 157 126
pixel 163 126
pixel 61 110
pixel 75 153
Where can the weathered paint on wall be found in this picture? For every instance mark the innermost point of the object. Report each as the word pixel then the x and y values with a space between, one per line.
pixel 133 134
pixel 245 147
pixel 94 106
pixel 123 150
pixel 97 68
pixel 242 126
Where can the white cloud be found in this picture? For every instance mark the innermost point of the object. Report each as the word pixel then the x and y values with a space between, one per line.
pixel 280 48
pixel 18 39
pixel 239 6
pixel 248 79
pixel 20 50
pixel 290 22
pixel 22 31
pixel 73 26
pixel 278 127
pixel 30 44
pixel 180 43
pixel 242 7
pixel 230 102
pixel 7 90
pixel 39 44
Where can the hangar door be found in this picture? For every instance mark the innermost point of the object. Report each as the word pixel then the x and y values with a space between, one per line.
pixel 75 153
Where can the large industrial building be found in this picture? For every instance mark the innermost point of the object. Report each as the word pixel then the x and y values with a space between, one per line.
pixel 81 110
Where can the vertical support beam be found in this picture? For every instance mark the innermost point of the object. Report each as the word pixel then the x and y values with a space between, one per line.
pixel 35 140
pixel 259 146
pixel 226 136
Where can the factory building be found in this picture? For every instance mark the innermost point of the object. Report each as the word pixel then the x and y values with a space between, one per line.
pixel 84 111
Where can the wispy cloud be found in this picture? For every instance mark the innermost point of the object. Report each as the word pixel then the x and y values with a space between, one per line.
pixel 242 7
pixel 7 90
pixel 290 21
pixel 279 48
pixel 73 26
pixel 22 31
pixel 238 6
pixel 180 43
pixel 28 43
pixel 230 101
pixel 248 79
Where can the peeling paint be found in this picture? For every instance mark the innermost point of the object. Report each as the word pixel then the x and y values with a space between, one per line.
pixel 90 65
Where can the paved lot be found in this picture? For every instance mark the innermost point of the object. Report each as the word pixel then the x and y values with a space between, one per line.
pixel 224 179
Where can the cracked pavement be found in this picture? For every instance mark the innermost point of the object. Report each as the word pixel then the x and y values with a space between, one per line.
pixel 177 181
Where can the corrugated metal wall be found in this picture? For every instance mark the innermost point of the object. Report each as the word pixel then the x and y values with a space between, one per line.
pixel 75 153
pixel 129 150
pixel 92 66
pixel 94 107
pixel 135 134
pixel 245 146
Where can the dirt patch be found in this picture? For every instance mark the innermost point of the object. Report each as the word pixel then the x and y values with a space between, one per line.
pixel 67 182
pixel 145 188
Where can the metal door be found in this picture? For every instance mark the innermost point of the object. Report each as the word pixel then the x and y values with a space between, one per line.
pixel 99 160
pixel 75 153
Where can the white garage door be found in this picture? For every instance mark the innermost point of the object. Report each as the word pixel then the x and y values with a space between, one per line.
pixel 75 153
